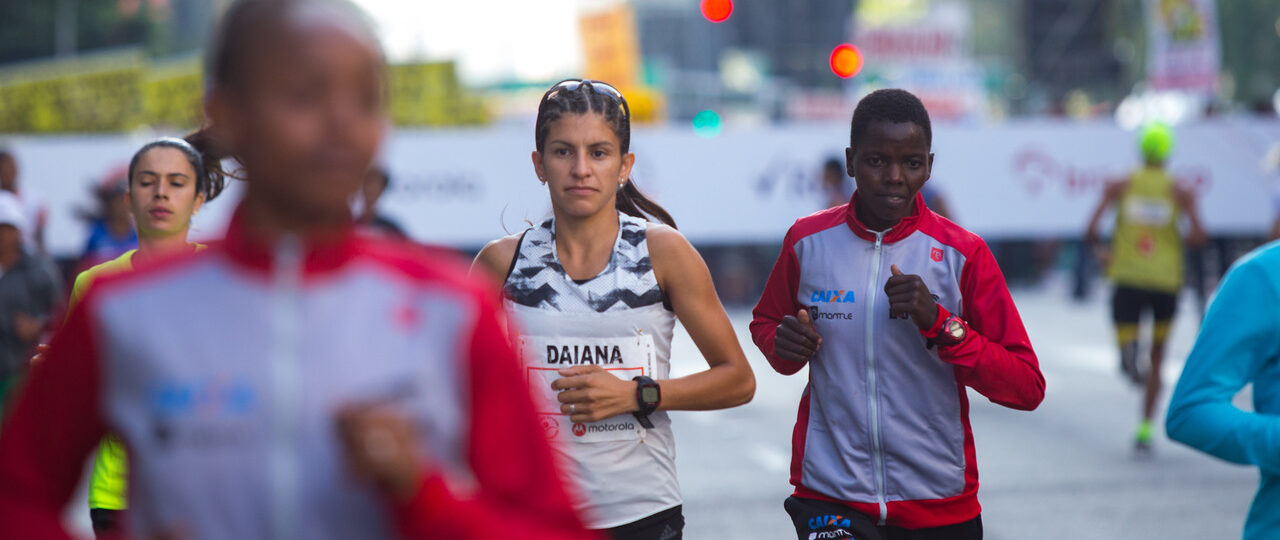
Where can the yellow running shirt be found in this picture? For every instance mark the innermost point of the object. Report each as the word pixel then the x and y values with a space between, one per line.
pixel 1146 250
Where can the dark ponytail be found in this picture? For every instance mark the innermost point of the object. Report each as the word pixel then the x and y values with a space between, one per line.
pixel 204 155
pixel 582 99
pixel 211 178
pixel 632 202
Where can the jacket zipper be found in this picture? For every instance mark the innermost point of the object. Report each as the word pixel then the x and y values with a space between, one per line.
pixel 285 386
pixel 877 453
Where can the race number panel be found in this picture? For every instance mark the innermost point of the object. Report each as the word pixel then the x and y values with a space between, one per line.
pixel 624 357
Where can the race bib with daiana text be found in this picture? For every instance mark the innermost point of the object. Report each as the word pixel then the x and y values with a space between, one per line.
pixel 544 357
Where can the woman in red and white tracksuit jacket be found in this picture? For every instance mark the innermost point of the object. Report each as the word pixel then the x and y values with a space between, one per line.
pixel 295 380
pixel 883 426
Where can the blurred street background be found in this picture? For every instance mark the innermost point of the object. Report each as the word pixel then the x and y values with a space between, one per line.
pixel 737 108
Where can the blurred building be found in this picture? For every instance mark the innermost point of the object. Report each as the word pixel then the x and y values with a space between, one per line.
pixel 748 63
pixel 769 61
pixel 1076 58
pixel 1073 46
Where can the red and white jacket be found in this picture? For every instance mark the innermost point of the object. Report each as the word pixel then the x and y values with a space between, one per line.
pixel 883 425
pixel 221 371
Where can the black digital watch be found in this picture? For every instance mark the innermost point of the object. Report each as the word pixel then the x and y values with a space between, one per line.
pixel 648 395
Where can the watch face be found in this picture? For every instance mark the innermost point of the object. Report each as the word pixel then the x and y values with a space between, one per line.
pixel 955 329
pixel 649 395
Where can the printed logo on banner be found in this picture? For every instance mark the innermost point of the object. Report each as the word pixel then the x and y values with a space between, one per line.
pixel 935 254
pixel 579 429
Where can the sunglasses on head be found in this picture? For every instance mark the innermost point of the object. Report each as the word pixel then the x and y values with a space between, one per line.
pixel 599 87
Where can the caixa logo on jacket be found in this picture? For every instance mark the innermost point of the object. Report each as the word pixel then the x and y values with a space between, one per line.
pixel 831 296
pixel 824 304
pixel 201 412
pixel 206 396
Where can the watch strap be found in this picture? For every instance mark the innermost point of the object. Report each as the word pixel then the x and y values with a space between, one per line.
pixel 939 324
pixel 938 333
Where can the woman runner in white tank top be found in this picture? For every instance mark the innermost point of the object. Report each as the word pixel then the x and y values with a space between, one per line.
pixel 595 291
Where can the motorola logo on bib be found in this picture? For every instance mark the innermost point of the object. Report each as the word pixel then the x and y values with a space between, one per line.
pixel 580 429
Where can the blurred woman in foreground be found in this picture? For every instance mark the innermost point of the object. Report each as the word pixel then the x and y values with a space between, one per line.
pixel 296 380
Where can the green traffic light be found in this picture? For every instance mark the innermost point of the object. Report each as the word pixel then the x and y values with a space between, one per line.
pixel 706 123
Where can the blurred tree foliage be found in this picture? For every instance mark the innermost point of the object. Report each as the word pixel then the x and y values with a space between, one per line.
pixel 429 94
pixel 1251 49
pixel 95 93
pixel 27 27
pixel 123 90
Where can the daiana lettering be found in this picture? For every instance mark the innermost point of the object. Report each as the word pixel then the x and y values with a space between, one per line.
pixel 584 354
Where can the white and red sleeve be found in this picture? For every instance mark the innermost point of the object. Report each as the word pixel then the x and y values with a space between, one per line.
pixel 777 301
pixel 996 357
pixel 47 436
pixel 518 487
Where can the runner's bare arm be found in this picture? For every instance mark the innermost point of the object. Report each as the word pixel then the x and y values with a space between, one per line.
pixel 683 276
pixel 1186 199
pixel 1110 193
pixel 588 393
pixel 494 258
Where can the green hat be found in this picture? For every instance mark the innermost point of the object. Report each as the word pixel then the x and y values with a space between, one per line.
pixel 1156 141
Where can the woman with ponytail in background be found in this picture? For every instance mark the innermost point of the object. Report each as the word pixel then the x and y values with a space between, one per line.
pixel 596 290
pixel 169 180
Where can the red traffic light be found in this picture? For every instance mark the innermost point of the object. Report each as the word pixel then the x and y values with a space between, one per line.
pixel 846 60
pixel 717 10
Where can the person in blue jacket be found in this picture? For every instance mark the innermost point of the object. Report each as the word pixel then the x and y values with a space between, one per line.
pixel 1239 343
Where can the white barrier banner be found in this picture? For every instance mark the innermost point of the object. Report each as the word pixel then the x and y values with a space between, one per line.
pixel 467 186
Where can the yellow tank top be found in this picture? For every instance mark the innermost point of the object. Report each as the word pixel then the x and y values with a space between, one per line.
pixel 1146 250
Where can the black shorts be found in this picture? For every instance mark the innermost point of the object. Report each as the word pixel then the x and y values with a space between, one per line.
pixel 822 520
pixel 106 523
pixel 665 525
pixel 1128 303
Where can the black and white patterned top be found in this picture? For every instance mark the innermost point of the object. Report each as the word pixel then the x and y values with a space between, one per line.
pixel 628 478
pixel 537 279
